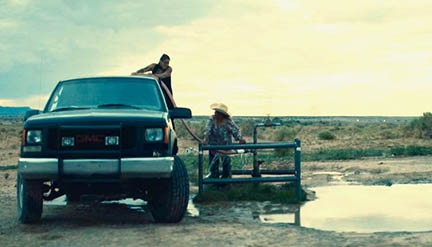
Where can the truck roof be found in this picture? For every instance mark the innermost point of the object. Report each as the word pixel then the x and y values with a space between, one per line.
pixel 106 77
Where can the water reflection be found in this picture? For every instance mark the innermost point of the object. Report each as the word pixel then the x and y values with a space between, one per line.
pixel 133 204
pixel 60 201
pixel 337 208
pixel 364 209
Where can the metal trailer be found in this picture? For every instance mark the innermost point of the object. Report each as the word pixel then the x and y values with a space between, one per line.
pixel 290 175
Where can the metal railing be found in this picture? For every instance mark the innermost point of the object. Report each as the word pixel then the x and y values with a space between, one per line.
pixel 290 175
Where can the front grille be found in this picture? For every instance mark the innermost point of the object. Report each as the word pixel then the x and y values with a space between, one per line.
pixel 129 135
pixel 92 138
pixel 89 139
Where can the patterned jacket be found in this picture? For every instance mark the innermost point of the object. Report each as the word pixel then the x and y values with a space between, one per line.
pixel 223 134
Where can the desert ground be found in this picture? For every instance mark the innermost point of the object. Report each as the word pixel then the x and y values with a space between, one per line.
pixel 213 224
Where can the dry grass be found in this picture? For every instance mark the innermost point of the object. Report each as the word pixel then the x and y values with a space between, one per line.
pixel 347 136
pixel 360 136
pixel 10 138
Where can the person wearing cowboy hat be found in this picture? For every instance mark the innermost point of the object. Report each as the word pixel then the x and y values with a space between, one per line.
pixel 219 130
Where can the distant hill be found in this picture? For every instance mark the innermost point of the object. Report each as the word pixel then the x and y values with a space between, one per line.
pixel 6 110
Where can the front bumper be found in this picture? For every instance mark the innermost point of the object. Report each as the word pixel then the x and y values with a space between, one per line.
pixel 53 168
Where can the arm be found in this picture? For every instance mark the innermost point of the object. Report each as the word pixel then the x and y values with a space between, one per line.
pixel 205 139
pixel 235 130
pixel 165 74
pixel 207 130
pixel 145 69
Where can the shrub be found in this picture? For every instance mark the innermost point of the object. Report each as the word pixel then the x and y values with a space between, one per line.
pixel 282 135
pixel 247 127
pixel 388 134
pixel 422 127
pixel 180 129
pixel 341 154
pixel 277 120
pixel 196 127
pixel 411 151
pixel 326 135
pixel 285 134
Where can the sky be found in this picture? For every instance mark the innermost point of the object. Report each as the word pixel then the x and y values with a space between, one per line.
pixel 277 57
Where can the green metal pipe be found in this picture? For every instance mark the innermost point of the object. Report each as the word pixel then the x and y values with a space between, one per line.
pixel 248 180
pixel 251 146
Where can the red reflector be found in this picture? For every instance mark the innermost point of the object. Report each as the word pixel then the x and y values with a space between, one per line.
pixel 166 132
pixel 24 137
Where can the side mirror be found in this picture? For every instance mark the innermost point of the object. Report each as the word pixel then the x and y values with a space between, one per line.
pixel 180 112
pixel 30 113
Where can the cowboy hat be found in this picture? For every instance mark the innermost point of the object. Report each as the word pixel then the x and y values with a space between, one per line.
pixel 221 108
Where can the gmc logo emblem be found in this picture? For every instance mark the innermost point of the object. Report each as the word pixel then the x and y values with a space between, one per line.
pixel 87 139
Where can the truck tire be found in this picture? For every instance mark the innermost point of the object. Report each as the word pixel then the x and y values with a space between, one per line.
pixel 169 198
pixel 29 200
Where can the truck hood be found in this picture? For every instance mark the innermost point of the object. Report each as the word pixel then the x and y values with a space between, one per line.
pixel 98 117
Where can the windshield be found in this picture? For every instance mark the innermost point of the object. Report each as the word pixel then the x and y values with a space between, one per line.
pixel 107 92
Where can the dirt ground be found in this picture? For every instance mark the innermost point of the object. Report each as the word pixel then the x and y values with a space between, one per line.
pixel 221 224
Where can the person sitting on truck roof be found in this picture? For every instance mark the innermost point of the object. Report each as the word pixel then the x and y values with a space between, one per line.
pixel 162 71
pixel 219 130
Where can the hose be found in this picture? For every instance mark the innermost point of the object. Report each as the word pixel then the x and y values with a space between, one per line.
pixel 188 129
pixel 167 91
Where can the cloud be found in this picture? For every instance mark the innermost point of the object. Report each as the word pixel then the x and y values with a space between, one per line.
pixel 282 57
pixel 346 57
pixel 18 3
pixel 35 101
pixel 55 40
pixel 8 24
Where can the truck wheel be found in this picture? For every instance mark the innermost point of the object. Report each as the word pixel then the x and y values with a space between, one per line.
pixel 29 200
pixel 169 199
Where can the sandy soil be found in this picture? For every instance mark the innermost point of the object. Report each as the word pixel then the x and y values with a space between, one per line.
pixel 222 224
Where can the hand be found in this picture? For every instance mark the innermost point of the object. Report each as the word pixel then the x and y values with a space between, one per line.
pixel 242 141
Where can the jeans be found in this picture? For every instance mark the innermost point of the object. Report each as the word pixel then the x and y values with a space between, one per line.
pixel 214 165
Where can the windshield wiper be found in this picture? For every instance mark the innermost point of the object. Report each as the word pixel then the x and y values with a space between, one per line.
pixel 69 108
pixel 118 105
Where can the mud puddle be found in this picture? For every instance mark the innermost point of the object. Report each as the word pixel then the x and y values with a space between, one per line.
pixel 133 204
pixel 341 208
pixel 364 209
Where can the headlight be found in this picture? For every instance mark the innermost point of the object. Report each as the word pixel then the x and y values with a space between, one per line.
pixel 154 135
pixel 34 137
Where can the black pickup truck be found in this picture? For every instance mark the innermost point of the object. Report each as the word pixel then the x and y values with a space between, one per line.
pixel 109 137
